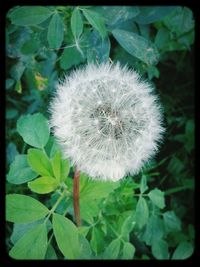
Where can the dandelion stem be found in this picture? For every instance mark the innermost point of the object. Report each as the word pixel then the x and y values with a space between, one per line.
pixel 76 197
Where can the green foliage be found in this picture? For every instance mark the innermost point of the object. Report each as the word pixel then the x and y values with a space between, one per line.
pixel 128 251
pixel 50 253
pixel 154 230
pixel 56 165
pixel 70 57
pixel 76 23
pixel 157 197
pixel 20 172
pixel 27 246
pixel 143 184
pixel 43 185
pixel 19 229
pixel 148 216
pixel 127 227
pixel 171 221
pixel 150 14
pixel 56 28
pixel 137 46
pixel 160 250
pixel 34 130
pixel 98 49
pixel 39 162
pixel 25 16
pixel 23 209
pixel 183 251
pixel 96 21
pixel 64 230
pixel 114 16
pixel 112 251
pixel 141 212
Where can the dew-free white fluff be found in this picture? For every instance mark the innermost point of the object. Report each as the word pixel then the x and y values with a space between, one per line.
pixel 107 120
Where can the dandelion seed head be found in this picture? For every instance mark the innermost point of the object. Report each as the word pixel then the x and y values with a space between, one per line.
pixel 107 120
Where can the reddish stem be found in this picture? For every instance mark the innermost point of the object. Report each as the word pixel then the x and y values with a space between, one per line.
pixel 76 197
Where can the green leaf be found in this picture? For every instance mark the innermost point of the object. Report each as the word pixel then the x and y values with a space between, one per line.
pixel 91 192
pixel 39 162
pixel 157 197
pixel 43 185
pixel 30 47
pixel 183 251
pixel 83 230
pixel 88 210
pixel 127 227
pixel 144 31
pixel 24 209
pixel 20 172
pixel 180 21
pixel 128 251
pixel 125 58
pixel 137 46
pixel 98 48
pixel 19 229
pixel 143 184
pixel 127 25
pixel 34 129
pixel 11 152
pixel 25 16
pixel 76 23
pixel 54 147
pixel 142 212
pixel 154 230
pixel 96 21
pixel 160 250
pixel 50 253
pixel 70 57
pixel 90 189
pixel 55 32
pixel 151 14
pixel 65 168
pixel 112 250
pixel 172 222
pixel 115 15
pixel 32 245
pixel 67 236
pixel 162 38
pixel 56 165
pixel 86 252
pixel 97 240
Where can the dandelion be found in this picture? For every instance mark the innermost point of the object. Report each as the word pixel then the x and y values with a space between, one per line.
pixel 107 120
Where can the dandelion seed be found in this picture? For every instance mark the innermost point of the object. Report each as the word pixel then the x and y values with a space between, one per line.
pixel 96 121
pixel 113 124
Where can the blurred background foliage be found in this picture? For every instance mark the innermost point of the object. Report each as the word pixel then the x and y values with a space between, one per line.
pixel 44 43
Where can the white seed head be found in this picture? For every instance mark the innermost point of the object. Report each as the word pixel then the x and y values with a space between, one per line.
pixel 107 120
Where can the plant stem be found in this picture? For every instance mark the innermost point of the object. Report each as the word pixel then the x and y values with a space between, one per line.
pixel 76 197
pixel 55 206
pixel 177 189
